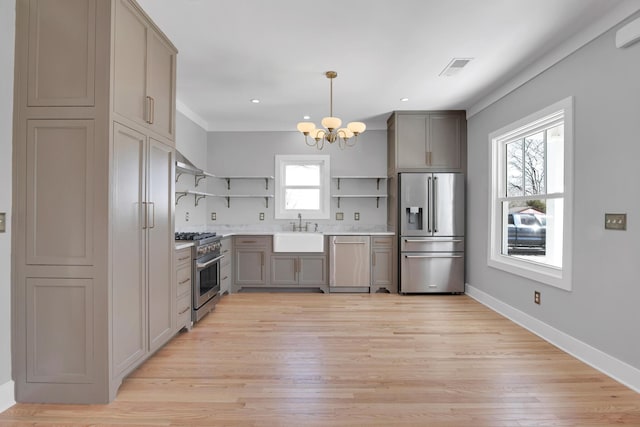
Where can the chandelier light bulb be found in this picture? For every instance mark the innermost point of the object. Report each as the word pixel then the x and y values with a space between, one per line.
pixel 331 123
pixel 356 127
pixel 306 127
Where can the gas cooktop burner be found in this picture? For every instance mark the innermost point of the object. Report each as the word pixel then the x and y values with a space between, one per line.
pixel 194 236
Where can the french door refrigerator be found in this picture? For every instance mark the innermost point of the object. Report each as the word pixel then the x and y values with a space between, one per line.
pixel 431 216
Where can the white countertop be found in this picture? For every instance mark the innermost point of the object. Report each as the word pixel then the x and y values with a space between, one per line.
pixel 326 233
pixel 181 244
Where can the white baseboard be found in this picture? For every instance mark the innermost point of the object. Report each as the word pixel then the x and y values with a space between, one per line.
pixel 7 396
pixel 608 365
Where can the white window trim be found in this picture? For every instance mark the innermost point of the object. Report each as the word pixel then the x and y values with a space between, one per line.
pixel 557 277
pixel 325 186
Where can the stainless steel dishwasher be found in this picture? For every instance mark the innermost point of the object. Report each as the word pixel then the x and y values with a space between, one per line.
pixel 349 264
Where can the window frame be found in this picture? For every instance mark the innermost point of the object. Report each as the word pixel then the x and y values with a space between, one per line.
pixel 560 277
pixel 281 162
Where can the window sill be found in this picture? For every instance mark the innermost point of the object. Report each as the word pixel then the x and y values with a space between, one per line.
pixel 552 276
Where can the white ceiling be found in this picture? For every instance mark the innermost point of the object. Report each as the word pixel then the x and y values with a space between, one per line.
pixel 232 51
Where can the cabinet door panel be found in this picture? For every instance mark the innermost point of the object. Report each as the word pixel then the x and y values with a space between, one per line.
pixel 60 342
pixel 62 53
pixel 161 81
pixel 161 296
pixel 128 248
pixel 382 266
pixel 312 270
pixel 444 140
pixel 60 178
pixel 411 143
pixel 250 266
pixel 283 270
pixel 130 67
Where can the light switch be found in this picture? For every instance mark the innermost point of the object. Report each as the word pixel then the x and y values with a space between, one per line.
pixel 615 221
pixel 3 222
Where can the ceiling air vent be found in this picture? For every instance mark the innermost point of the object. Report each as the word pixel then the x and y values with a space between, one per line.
pixel 455 66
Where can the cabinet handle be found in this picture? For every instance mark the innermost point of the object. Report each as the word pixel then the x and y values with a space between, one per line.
pixel 262 259
pixel 152 109
pixel 373 258
pixel 184 281
pixel 153 214
pixel 225 277
pixel 349 243
pixel 184 258
pixel 247 241
pixel 146 215
pixel 184 311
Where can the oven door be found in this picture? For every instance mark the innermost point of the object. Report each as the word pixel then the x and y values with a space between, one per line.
pixel 207 279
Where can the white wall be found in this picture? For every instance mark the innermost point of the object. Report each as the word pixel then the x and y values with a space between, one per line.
pixel 191 141
pixel 7 33
pixel 602 309
pixel 253 153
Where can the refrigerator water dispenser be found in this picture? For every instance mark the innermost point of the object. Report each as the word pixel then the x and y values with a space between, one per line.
pixel 414 218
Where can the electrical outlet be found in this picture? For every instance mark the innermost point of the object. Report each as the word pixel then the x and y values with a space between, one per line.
pixel 261 216
pixel 356 216
pixel 536 297
pixel 339 216
pixel 213 216
pixel 3 222
pixel 186 216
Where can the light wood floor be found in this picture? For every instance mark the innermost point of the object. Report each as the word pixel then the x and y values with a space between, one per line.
pixel 354 360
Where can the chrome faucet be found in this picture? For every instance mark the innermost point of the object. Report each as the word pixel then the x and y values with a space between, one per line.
pixel 298 227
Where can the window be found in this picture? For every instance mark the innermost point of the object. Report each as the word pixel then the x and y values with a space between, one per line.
pixel 302 186
pixel 531 194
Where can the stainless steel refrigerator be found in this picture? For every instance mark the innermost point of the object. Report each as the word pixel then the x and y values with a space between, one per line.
pixel 431 217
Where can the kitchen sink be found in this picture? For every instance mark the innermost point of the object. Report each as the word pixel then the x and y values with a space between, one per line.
pixel 298 242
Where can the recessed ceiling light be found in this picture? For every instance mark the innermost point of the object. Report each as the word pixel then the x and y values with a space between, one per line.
pixel 255 101
pixel 404 99
pixel 306 117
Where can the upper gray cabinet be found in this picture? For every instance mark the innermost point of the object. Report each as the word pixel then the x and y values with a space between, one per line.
pixel 144 68
pixel 426 141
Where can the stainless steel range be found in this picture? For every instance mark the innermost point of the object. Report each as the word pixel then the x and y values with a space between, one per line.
pixel 205 272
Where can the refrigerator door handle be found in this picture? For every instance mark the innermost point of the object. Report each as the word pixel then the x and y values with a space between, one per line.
pixel 435 204
pixel 429 204
pixel 433 256
pixel 432 241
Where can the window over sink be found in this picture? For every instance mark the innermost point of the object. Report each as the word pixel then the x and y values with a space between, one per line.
pixel 302 186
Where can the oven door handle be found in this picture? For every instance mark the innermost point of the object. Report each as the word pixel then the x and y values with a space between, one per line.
pixel 208 263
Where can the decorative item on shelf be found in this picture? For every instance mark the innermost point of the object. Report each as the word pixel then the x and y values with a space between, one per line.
pixel 332 124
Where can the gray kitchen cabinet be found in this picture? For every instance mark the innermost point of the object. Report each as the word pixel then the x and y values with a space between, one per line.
pixel 145 67
pixel 91 175
pixel 226 265
pixel 426 141
pixel 382 277
pixel 303 270
pixel 250 260
pixel 183 288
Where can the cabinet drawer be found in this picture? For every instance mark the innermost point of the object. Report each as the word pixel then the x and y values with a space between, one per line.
pixel 184 310
pixel 183 257
pixel 384 241
pixel 225 272
pixel 253 241
pixel 183 277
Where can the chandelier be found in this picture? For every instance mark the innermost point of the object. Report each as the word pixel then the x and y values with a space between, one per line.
pixel 332 132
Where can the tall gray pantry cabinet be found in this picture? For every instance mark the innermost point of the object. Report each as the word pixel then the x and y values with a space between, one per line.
pixel 94 137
